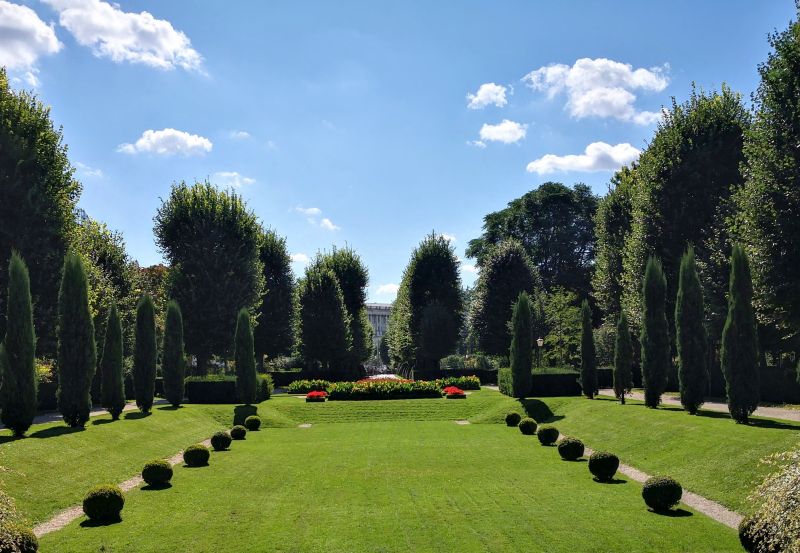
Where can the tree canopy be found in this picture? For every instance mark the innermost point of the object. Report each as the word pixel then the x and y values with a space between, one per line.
pixel 274 333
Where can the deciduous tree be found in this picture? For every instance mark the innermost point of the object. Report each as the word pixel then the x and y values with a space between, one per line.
pixel 588 353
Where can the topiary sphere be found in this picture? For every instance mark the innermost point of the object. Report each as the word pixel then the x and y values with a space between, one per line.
pixel 527 426
pixel 512 419
pixel 157 473
pixel 196 455
pixel 104 503
pixel 238 432
pixel 547 434
pixel 603 465
pixel 252 423
pixel 570 449
pixel 661 493
pixel 749 537
pixel 17 539
pixel 221 441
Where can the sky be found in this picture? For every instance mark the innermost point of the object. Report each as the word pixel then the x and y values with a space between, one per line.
pixel 366 124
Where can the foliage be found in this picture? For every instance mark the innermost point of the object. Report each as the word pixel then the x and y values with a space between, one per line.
pixel 690 334
pixel 384 389
pixel 173 362
pixel 520 353
pixel 383 350
pixel 570 449
pixel 221 440
pixel 16 538
pixel 252 423
pixel 605 337
pixel 603 465
pixel 38 195
pixel 304 386
pixel 547 434
pixel 661 493
pixel 554 225
pixel 563 328
pixel 244 357
pixel 211 241
pixel 76 346
pixel 157 473
pixel 527 426
pixel 623 359
pixel 196 455
pixel 273 336
pixel 513 419
pixel 112 385
pixel 104 503
pixel 463 382
pixel 588 353
pixel 222 388
pixel 145 354
pixel 505 382
pixel 18 352
pixel 739 353
pixel 437 322
pixel 656 357
pixel 238 432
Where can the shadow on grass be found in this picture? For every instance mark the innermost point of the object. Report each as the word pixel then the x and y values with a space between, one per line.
pixel 170 407
pixel 612 481
pixel 156 487
pixel 88 523
pixel 673 513
pixel 539 410
pixel 135 415
pixel 54 431
pixel 581 460
pixel 97 421
pixel 241 412
pixel 194 466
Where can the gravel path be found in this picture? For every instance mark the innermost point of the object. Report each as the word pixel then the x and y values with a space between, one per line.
pixel 766 412
pixel 55 416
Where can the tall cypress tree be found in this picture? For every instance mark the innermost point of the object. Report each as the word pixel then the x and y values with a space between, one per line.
pixel 112 387
pixel 521 351
pixel 245 358
pixel 145 354
pixel 623 359
pixel 17 357
pixel 656 357
pixel 691 335
pixel 77 354
pixel 739 355
pixel 173 362
pixel 588 353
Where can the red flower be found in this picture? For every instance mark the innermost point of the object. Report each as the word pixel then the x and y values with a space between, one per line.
pixel 316 394
pixel 453 391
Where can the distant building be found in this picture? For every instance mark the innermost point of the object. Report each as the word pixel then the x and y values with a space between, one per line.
pixel 378 314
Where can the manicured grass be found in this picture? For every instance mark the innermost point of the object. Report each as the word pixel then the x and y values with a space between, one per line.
pixel 52 468
pixel 709 454
pixel 391 487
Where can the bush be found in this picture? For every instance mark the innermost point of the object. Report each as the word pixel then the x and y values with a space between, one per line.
pixel 222 389
pixel 512 419
pixel 252 423
pixel 661 493
pixel 104 503
pixel 547 434
pixel 463 382
pixel 504 382
pixel 221 441
pixel 196 455
pixel 384 389
pixel 570 449
pixel 15 538
pixel 157 473
pixel 603 465
pixel 305 386
pixel 238 432
pixel 527 426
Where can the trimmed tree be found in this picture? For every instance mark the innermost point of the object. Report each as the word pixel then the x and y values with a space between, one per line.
pixel 17 356
pixel 588 353
pixel 521 351
pixel 112 385
pixel 623 359
pixel 739 355
pixel 145 354
pixel 77 354
pixel 654 338
pixel 273 335
pixel 690 335
pixel 244 356
pixel 173 362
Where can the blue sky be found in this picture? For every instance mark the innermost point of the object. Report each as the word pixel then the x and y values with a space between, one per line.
pixel 363 123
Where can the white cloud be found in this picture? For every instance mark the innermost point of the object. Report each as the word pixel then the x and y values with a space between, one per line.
pixel 477 143
pixel 448 237
pixel 600 87
pixel 24 37
pixel 84 170
pixel 327 224
pixel 488 94
pixel 299 258
pixel 232 179
pixel 127 36
pixel 309 211
pixel 598 156
pixel 168 142
pixel 389 290
pixel 468 268
pixel 313 214
pixel 507 132
pixel 239 135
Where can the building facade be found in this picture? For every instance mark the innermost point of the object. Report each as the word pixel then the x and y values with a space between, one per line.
pixel 378 314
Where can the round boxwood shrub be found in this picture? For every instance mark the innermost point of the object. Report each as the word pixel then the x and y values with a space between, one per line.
pixel 755 536
pixel 238 432
pixel 157 473
pixel 570 449
pixel 252 423
pixel 661 493
pixel 603 465
pixel 527 426
pixel 547 434
pixel 221 441
pixel 17 539
pixel 104 503
pixel 196 455
pixel 512 419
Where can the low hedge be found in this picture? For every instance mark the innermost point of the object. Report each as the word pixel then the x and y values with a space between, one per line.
pixel 661 493
pixel 603 465
pixel 222 389
pixel 547 384
pixel 384 389
pixel 470 382
pixel 157 473
pixel 104 503
pixel 308 385
pixel 196 455
pixel 489 376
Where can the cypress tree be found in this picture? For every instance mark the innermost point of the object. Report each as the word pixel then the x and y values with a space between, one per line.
pixel 739 355
pixel 77 354
pixel 112 388
pixel 691 335
pixel 521 352
pixel 145 354
pixel 654 338
pixel 245 358
pixel 173 362
pixel 623 359
pixel 17 357
pixel 588 353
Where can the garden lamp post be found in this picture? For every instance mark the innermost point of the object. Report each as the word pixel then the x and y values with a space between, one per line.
pixel 540 343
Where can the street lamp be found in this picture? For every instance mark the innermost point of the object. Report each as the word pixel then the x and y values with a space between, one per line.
pixel 540 343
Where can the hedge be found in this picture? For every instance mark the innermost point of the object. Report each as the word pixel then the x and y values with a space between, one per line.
pixel 222 389
pixel 383 389
pixel 485 376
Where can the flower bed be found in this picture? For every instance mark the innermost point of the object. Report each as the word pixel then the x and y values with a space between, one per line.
pixel 316 396
pixel 453 392
pixel 384 389
pixel 305 386
pixel 463 382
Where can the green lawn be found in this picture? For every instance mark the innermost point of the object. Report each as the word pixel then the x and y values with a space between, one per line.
pixel 390 487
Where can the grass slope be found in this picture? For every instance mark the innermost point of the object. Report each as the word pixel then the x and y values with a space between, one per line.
pixel 391 487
